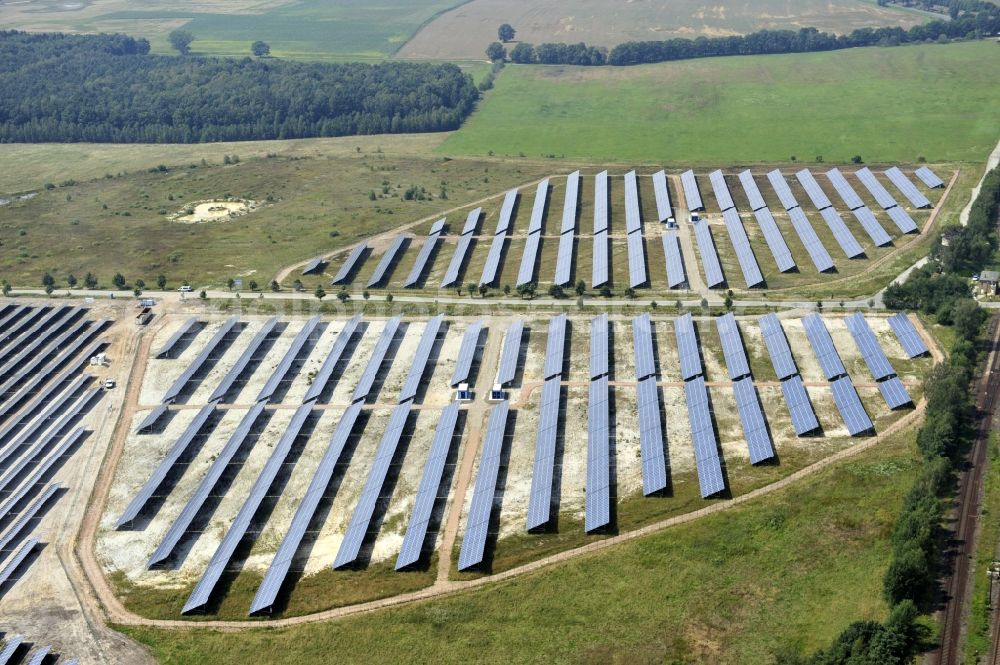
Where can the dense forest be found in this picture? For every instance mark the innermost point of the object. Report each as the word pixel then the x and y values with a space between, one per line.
pixel 107 88
pixel 967 19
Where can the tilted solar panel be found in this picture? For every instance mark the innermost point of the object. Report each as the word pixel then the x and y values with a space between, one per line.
pixel 350 265
pixel 869 347
pixel 21 525
pixel 10 647
pixel 453 274
pixel 848 243
pixel 928 177
pixel 599 273
pixel 721 190
pixel 511 353
pixel 538 207
pixel 322 377
pixel 361 519
pixel 39 656
pixel 472 222
pixel 423 258
pixel 692 196
pixel 382 270
pixel 871 226
pixel 777 347
pixel 664 210
pixel 871 183
pixel 755 430
pixel 555 347
pixel 467 353
pixel 374 366
pixel 569 203
pixel 675 262
pixel 174 390
pixel 282 561
pixel 813 190
pixel 687 347
pixel 35 478
pixel 478 521
pixel 807 234
pixel 754 197
pixel 744 252
pixel 601 202
pixel 706 452
pixel 430 489
pixel 850 407
pixel 506 212
pixel 907 335
pixel 775 241
pixel 281 371
pixel 642 343
pixel 732 346
pixel 598 346
pixel 564 260
pixel 709 258
pixel 636 260
pixel 799 407
pixel 529 260
pixel 633 216
pixel 894 393
pixel 226 384
pixel 906 186
pixel 598 498
pixel 492 265
pixel 780 186
pixel 902 220
pixel 420 359
pixel 19 558
pixel 540 497
pixel 167 348
pixel 822 344
pixel 314 266
pixel 844 189
pixel 654 465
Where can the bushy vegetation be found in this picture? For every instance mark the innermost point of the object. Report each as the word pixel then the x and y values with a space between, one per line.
pixel 107 88
pixel 970 19
pixel 970 247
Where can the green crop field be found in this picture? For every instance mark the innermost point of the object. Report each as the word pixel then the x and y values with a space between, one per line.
pixel 788 571
pixel 886 104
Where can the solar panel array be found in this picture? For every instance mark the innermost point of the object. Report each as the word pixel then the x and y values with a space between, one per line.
pixel 642 340
pixel 721 190
pixel 691 193
pixel 633 217
pixel 848 243
pixel 871 226
pixel 706 453
pixel 420 359
pixel 175 390
pixel 382 270
pixel 281 371
pixel 709 257
pixel 350 265
pixel 167 349
pixel 807 234
pixel 822 343
pixel 796 398
pixel 664 210
pixel 598 499
pixel 367 380
pixel 601 203
pixel 744 252
pixel 359 527
pixel 902 220
pixel 430 489
pixel 555 347
pixel 906 186
pixel 929 178
pixel 322 377
pixel 752 191
pixel 564 259
pixel 492 266
pixel 599 275
pixel 506 212
pixel 567 232
pixel 234 373
pixel 687 347
pixel 775 241
pixel 894 393
pixel 782 190
pixel 732 346
pixel 472 222
pixel 844 189
pixel 526 273
pixel 654 465
pixel 850 407
pixel 599 346
pixel 907 335
pixel 540 498
pixel 424 255
pixel 477 523
pixel 636 260
pixel 755 430
pixel 675 262
pixel 889 384
pixel 452 275
pixel 569 203
pixel 511 353
pixel 871 183
pixel 844 394
pixel 467 354
pixel 813 190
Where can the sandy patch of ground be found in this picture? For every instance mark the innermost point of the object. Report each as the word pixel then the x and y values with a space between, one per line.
pixel 216 210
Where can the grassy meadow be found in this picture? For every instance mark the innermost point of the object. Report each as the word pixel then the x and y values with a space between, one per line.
pixel 885 104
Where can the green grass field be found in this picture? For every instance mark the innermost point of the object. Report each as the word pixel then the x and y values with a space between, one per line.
pixel 886 104
pixel 788 571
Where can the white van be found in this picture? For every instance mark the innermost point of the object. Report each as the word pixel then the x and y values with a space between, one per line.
pixel 187 288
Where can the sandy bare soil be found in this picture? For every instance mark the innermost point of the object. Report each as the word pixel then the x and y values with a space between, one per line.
pixel 216 210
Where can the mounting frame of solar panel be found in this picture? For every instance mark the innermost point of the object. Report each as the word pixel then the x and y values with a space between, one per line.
pixel 420 359
pixel 871 183
pixel 30 423
pixel 709 258
pixel 871 226
pixel 429 489
pixel 466 354
pixel 902 220
pixel 599 272
pixel 906 186
pixel 20 524
pixel 564 259
pixel 601 202
pixel 569 203
pixel 599 334
pixel 928 177
pixel 907 335
pixel 42 347
pixel 8 404
pixel 744 252
pixel 176 337
pixel 873 355
pixel 10 647
pixel 692 196
pixel 313 265
pixel 15 562
pixel 814 246
pixel 636 260
pixel 777 347
pixel 664 210
pixel 478 520
pixel 159 474
pixel 357 530
pixel 281 371
pixel 598 495
pixel 687 347
pixel 654 465
pixel 540 496
pixel 207 484
pixel 642 344
pixel 39 656
pixel 39 472
pixel 199 360
pixel 721 190
pixel 555 347
pixel 755 430
pixel 823 347
pixel 844 189
pixel 754 197
pixel 424 255
pixel 775 241
pixel 238 526
pixel 511 353
pixel 703 439
pixel 13 347
pixel 732 346
pixel 336 352
pixel 850 407
pixel 350 264
pixel 675 262
pixel 452 276
pixel 241 364
pixel 781 188
pixel 848 243
pixel 633 216
pixel 813 190
pixel 368 377
pixel 388 258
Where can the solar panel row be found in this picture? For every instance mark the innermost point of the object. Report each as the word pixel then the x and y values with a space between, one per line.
pixel 599 334
pixel 775 241
pixel 285 365
pixel 601 203
pixel 902 220
pixel 29 484
pixel 540 498
pixel 732 346
pixel 599 275
pixel 598 498
pixel 871 226
pixel 822 344
pixel 569 203
pixel 799 407
pixel 807 234
pixel 226 384
pixel 351 264
pixel 633 216
pixel 813 190
pixel 721 190
pixel 868 345
pixel 564 259
pixel 687 347
pixel 654 465
pixel 529 260
pixel 755 430
pixel 844 189
pixel 642 343
pixel 709 258
pixel 752 191
pixel 555 347
pixel 424 255
pixel 850 407
pixel 675 261
pixel 420 359
pixel 777 347
pixel 166 350
pixel 929 178
pixel 906 186
pixel 636 260
pixel 706 452
pixel 871 183
pixel 848 243
pixel 477 523
pixel 691 194
pixel 907 335
pixel 506 212
pixel 313 267
pixel 780 186
pixel 367 380
pixel 511 353
pixel 538 207
pixel 453 274
pixel 894 393
pixel 388 259
pixel 492 266
pixel 664 210
pixel 472 222
pixel 175 390
pixel 467 354
pixel 322 377
pixel 744 252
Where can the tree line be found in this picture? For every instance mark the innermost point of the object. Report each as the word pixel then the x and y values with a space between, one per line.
pixel 108 88
pixel 968 19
